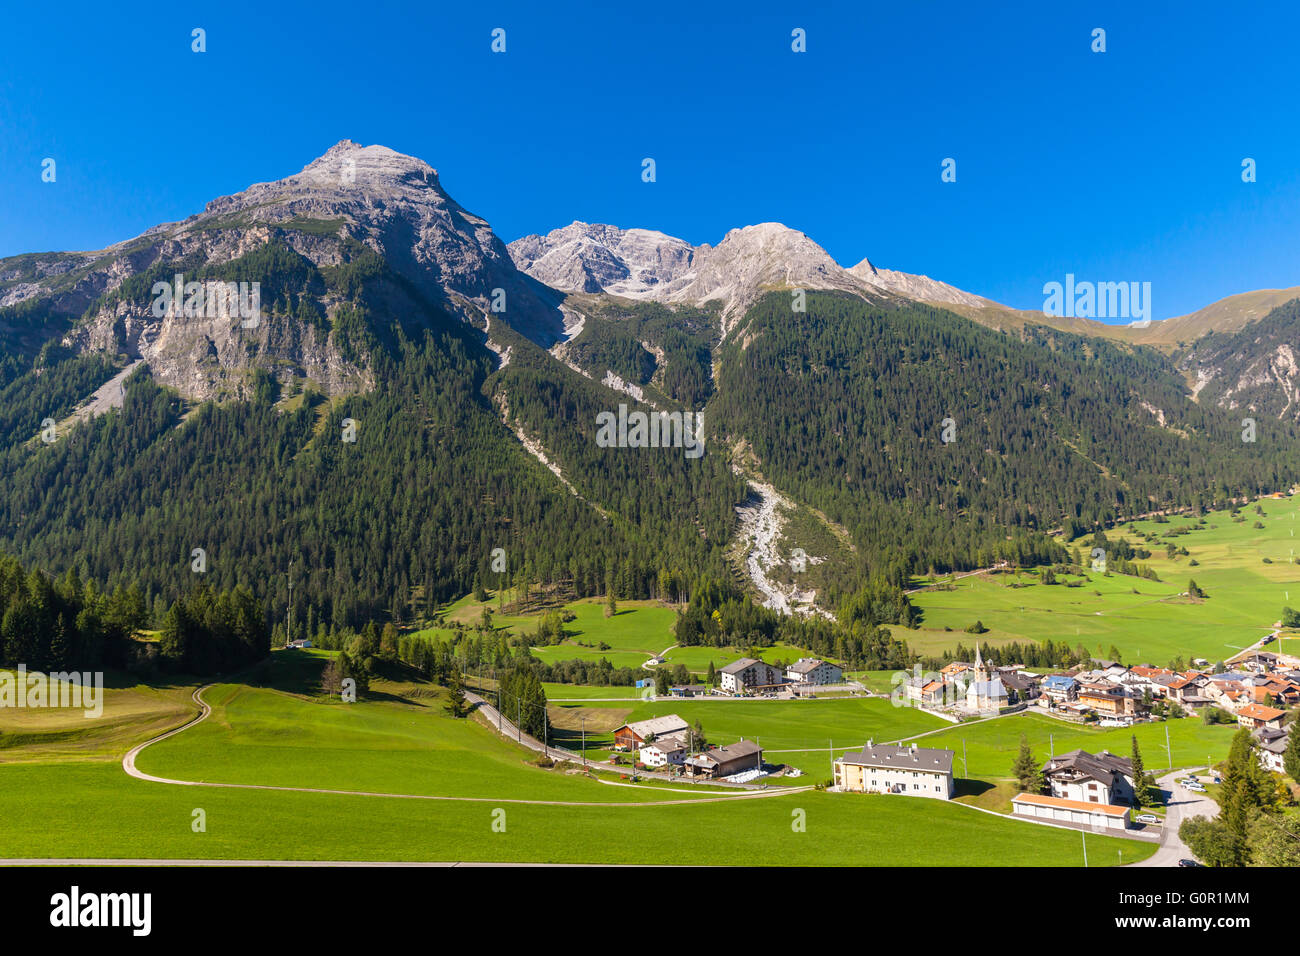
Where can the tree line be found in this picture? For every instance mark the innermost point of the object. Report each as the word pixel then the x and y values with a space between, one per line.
pixel 66 623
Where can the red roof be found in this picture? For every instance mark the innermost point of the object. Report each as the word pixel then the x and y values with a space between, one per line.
pixel 1108 809
pixel 1260 712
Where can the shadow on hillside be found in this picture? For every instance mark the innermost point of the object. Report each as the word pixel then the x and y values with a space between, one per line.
pixel 963 787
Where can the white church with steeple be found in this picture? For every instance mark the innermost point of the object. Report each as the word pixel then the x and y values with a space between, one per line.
pixel 985 694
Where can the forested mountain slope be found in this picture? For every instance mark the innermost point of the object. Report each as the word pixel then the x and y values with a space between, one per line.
pixel 847 404
pixel 1255 369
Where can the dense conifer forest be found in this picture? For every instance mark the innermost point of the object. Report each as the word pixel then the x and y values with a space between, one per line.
pixel 848 406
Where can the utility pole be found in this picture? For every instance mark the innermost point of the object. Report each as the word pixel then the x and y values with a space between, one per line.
pixel 289 576
pixel 583 719
pixel 1084 834
pixel 1168 750
pixel 965 771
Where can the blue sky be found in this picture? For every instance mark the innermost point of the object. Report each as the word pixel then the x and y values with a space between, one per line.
pixel 1123 165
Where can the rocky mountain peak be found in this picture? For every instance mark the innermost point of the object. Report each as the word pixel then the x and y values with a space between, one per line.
pixel 349 176
pixel 752 260
pixel 374 196
pixel 919 288
pixel 591 257
pixel 746 263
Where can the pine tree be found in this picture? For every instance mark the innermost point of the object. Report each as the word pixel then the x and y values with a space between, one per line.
pixel 698 740
pixel 456 704
pixel 1246 788
pixel 1144 787
pixel 711 678
pixel 1029 777
pixel 1291 756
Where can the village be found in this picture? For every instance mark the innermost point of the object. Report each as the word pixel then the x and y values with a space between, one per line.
pixel 1252 688
pixel 1094 791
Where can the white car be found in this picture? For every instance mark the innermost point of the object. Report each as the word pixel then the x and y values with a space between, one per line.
pixel 1195 787
pixel 1147 818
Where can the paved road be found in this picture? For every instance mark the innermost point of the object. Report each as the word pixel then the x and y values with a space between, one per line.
pixel 1247 653
pixel 1183 804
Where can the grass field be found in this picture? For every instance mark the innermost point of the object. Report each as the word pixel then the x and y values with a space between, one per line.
pixel 639 631
pixel 585 692
pixel 132 713
pixel 96 811
pixel 402 742
pixel 1147 621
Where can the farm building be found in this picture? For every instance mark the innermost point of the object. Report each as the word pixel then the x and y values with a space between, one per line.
pixel 725 761
pixel 1097 816
pixel 632 736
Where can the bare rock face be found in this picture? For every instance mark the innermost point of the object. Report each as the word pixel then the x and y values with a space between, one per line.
pixel 395 204
pixel 751 261
pixel 748 262
pixel 917 288
pixel 374 197
pixel 391 203
pixel 211 353
pixel 582 257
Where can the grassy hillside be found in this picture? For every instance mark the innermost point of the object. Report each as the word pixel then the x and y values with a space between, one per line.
pixel 1248 573
pixel 54 810
pixel 132 713
pixel 402 743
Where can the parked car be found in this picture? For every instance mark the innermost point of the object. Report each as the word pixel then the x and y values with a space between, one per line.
pixel 1188 863
pixel 1147 818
